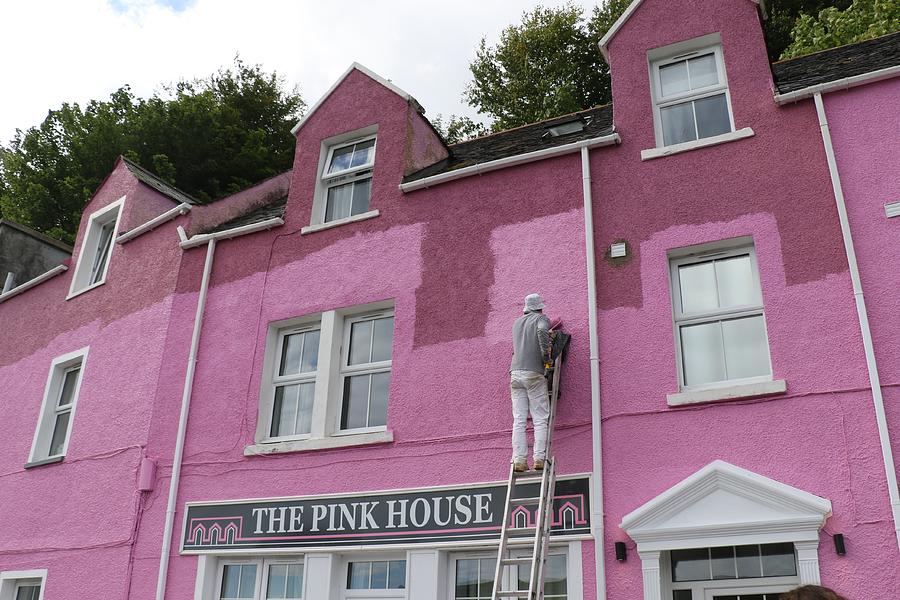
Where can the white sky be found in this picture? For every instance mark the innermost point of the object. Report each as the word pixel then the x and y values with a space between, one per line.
pixel 57 51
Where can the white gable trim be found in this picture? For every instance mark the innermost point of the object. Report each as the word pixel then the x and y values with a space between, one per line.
pixel 771 512
pixel 365 71
pixel 604 41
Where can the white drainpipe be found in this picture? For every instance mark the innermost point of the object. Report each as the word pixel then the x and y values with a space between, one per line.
pixel 182 423
pixel 874 381
pixel 597 449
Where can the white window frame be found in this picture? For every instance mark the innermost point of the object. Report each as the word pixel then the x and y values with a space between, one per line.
pixel 702 254
pixel 704 589
pixel 347 370
pixel 325 431
pixel 284 380
pixel 391 594
pixel 10 581
pixel 40 445
pixel 324 180
pixel 571 550
pixel 262 569
pixel 88 254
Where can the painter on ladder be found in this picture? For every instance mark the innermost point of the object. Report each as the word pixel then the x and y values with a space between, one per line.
pixel 527 384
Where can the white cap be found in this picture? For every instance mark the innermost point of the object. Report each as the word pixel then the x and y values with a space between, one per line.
pixel 533 302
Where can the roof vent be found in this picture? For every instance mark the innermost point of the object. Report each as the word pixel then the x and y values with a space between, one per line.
pixel 566 128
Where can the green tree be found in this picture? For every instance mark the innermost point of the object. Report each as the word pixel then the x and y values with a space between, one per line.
pixel 209 137
pixel 457 128
pixel 783 14
pixel 830 27
pixel 544 67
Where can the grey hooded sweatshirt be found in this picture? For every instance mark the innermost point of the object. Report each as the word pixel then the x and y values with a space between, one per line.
pixel 531 342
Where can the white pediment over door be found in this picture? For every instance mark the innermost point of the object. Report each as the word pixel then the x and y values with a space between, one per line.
pixel 724 505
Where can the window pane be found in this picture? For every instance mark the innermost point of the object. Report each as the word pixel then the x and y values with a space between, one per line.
pixel 712 116
pixel 384 339
pixel 294 587
pixel 682 595
pixel 291 348
pixel 746 347
pixel 28 592
pixel 231 577
pixel 378 401
pixel 379 575
pixel 778 560
pixel 340 159
pixel 555 576
pixel 702 354
pixel 338 204
pixel 310 359
pixel 356 405
pixel 277 581
pixel 292 411
pixel 690 565
pixel 703 71
pixel 698 287
pixel 736 282
pixel 102 254
pixel 722 562
pixel 362 189
pixel 678 123
pixel 674 78
pixel 486 567
pixel 247 587
pixel 67 394
pixel 397 575
pixel 358 575
pixel 360 343
pixel 467 578
pixel 59 433
pixel 362 153
pixel 748 564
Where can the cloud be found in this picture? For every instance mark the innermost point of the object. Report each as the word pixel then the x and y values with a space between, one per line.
pixel 78 50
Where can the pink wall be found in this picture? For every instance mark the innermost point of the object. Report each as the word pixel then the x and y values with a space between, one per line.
pixel 867 162
pixel 820 436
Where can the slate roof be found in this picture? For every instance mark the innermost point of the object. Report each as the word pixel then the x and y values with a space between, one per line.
pixel 268 210
pixel 166 189
pixel 521 140
pixel 837 63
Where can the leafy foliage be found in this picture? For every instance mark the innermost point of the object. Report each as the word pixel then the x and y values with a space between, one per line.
pixel 546 66
pixel 209 137
pixel 862 20
pixel 457 128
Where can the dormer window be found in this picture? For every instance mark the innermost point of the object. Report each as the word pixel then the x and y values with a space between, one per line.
pixel 347 178
pixel 97 248
pixel 691 99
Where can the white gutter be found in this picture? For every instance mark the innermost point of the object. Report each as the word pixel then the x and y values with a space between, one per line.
pixel 199 240
pixel 839 84
pixel 33 282
pixel 596 434
pixel 510 161
pixel 179 210
pixel 874 380
pixel 182 423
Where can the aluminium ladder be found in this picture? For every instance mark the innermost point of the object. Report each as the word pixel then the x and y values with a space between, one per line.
pixel 510 533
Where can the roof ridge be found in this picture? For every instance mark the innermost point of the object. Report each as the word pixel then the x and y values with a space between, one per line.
pixel 132 165
pixel 493 133
pixel 823 51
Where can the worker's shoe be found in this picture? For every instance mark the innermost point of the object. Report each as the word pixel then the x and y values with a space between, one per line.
pixel 519 465
pixel 539 464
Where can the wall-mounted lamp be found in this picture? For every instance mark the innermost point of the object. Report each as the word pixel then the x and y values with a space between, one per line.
pixel 621 552
pixel 839 546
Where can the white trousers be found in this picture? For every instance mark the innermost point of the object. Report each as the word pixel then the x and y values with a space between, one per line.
pixel 529 391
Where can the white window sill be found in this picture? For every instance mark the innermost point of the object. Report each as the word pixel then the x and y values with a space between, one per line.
pixel 327 443
pixel 693 145
pixel 86 289
pixel 339 222
pixel 44 461
pixel 731 392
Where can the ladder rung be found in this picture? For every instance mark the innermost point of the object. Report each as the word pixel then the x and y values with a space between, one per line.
pixel 525 500
pixel 515 530
pixel 529 479
pixel 517 561
pixel 512 594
